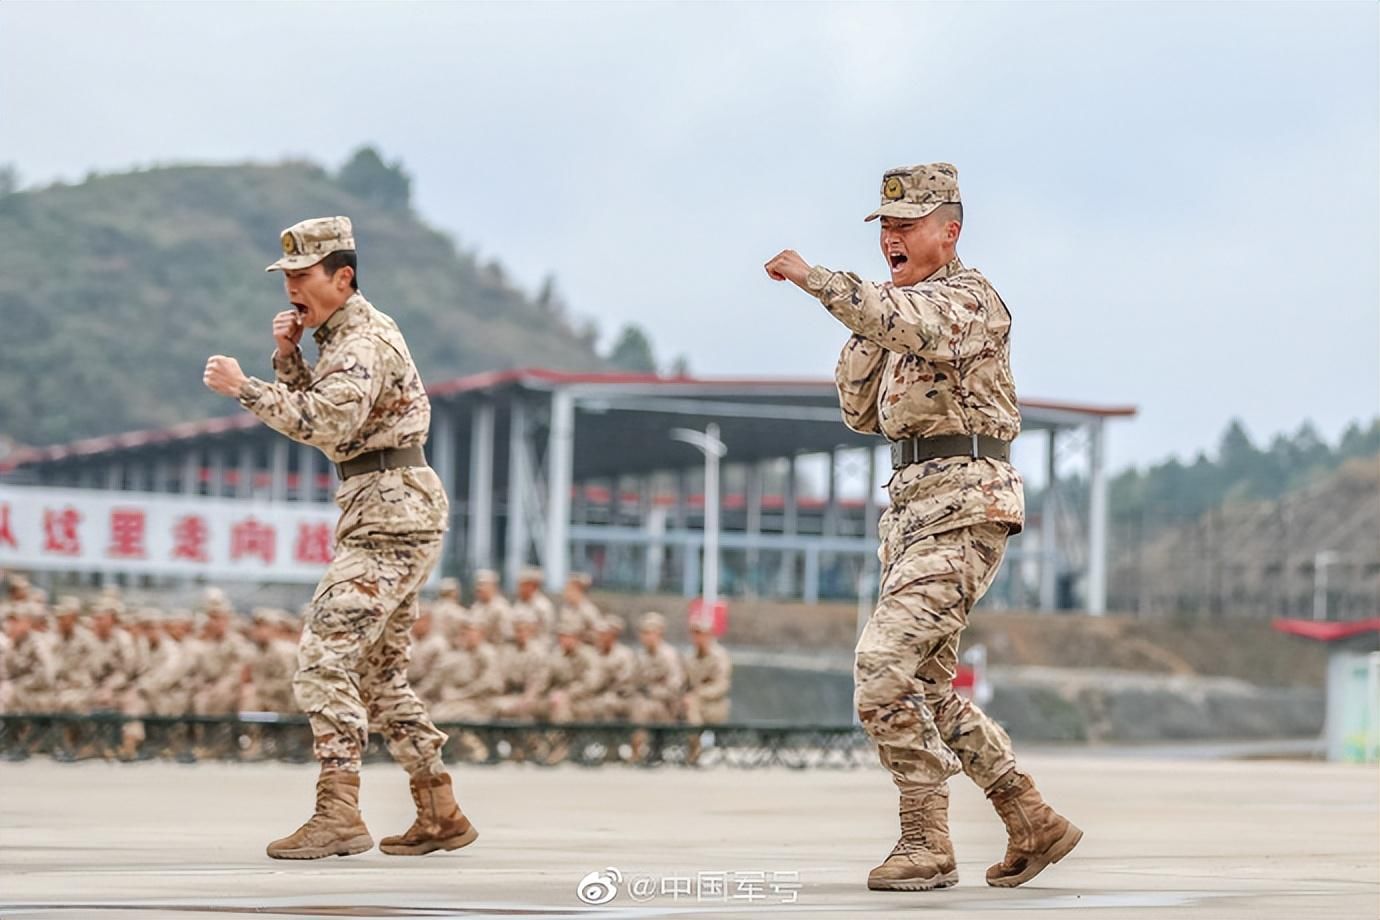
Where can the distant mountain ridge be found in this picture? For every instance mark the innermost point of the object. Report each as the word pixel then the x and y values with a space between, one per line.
pixel 114 291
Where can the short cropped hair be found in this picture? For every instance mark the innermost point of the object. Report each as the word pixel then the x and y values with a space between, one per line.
pixel 339 259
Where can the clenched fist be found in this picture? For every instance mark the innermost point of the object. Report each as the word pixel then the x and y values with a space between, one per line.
pixel 287 331
pixel 223 375
pixel 787 265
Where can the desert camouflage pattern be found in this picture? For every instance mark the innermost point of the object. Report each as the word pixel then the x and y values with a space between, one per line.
pixel 912 192
pixel 572 678
pixel 307 242
pixel 354 654
pixel 472 678
pixel 585 611
pixel 708 678
pixel 540 609
pixel 928 360
pixel 907 656
pixel 526 672
pixel 611 695
pixel 28 675
pixel 495 618
pixel 424 672
pixel 658 685
pixel 271 668
pixel 217 672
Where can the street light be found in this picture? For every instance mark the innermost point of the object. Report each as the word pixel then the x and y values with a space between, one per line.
pixel 1321 561
pixel 708 443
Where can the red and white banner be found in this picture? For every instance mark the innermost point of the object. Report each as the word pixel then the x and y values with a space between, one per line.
pixel 85 530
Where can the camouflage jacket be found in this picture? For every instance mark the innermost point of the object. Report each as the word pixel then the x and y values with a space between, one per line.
pixel 576 673
pixel 709 676
pixel 927 360
pixel 540 607
pixel 526 670
pixel 363 394
pixel 470 674
pixel 619 670
pixel 660 675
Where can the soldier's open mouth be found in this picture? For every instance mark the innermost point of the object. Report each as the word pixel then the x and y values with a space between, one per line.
pixel 300 308
pixel 897 259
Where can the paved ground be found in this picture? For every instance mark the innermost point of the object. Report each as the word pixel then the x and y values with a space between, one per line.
pixel 1165 838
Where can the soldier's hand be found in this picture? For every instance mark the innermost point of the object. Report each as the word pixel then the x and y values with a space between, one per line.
pixel 223 375
pixel 287 331
pixel 787 265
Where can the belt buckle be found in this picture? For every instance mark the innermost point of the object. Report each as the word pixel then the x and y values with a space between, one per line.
pixel 975 447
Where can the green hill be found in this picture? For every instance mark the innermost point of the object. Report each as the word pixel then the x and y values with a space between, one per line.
pixel 113 292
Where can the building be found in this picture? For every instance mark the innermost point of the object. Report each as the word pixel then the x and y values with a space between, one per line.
pixel 579 470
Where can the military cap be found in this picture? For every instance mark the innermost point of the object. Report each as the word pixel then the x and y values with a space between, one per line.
pixel 652 620
pixel 583 579
pixel 310 241
pixel 149 616
pixel 18 583
pixel 486 577
pixel 531 573
pixel 526 615
pixel 450 586
pixel 264 615
pixel 702 623
pixel 612 623
pixel 915 191
pixel 67 604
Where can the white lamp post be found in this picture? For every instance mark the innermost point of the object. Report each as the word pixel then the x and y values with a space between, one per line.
pixel 708 443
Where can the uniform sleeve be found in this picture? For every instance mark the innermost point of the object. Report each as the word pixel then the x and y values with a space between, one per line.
pixel 670 689
pixel 333 408
pixel 939 322
pixel 538 678
pixel 292 372
pixel 859 380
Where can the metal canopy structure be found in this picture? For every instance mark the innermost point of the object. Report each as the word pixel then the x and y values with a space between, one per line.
pixel 579 470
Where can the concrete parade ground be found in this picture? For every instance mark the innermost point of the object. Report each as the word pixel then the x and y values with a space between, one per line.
pixel 1228 840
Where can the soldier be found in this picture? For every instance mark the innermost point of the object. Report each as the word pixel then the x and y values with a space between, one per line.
pixel 429 648
pixel 270 667
pixel 490 609
pixel 573 669
pixel 71 647
pixel 659 680
pixel 470 676
pixel 526 670
pixel 29 673
pixel 928 367
pixel 363 404
pixel 113 669
pixel 217 672
pixel 708 675
pixel 575 601
pixel 163 669
pixel 447 612
pixel 531 599
pixel 612 701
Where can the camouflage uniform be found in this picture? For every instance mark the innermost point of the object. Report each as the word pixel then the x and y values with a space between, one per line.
pixel 363 394
pixel 928 360
pixel 447 612
pixel 71 650
pixel 659 680
pixel 27 675
pixel 217 672
pixel 709 677
pixel 612 700
pixel 537 605
pixel 526 671
pixel 573 674
pixel 494 615
pixel 424 672
pixel 271 667
pixel 470 681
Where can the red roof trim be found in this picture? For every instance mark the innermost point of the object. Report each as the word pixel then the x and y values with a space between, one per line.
pixel 1327 630
pixel 472 383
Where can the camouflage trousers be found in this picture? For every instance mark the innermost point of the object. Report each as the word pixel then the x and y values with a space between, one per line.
pixel 907 657
pixel 705 712
pixel 353 657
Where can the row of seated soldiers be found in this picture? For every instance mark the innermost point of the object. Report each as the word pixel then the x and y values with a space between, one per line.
pixel 528 661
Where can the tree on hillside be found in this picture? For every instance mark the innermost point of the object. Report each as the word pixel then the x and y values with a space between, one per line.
pixel 632 351
pixel 366 176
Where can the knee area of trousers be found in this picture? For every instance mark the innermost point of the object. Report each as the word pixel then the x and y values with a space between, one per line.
pixel 880 678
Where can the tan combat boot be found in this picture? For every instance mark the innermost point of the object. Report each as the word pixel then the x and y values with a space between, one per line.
pixel 440 824
pixel 1037 835
pixel 336 828
pixel 923 857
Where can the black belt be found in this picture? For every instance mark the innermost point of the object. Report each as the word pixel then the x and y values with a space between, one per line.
pixel 376 461
pixel 917 450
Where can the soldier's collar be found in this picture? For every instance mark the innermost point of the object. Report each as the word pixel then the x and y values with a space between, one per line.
pixel 348 310
pixel 951 267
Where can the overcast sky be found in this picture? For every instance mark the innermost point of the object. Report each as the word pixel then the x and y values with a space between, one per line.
pixel 1179 202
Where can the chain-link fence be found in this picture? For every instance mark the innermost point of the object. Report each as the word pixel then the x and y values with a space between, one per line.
pixel 252 737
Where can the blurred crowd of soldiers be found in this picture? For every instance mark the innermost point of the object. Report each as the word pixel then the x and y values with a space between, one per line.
pixel 528 660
